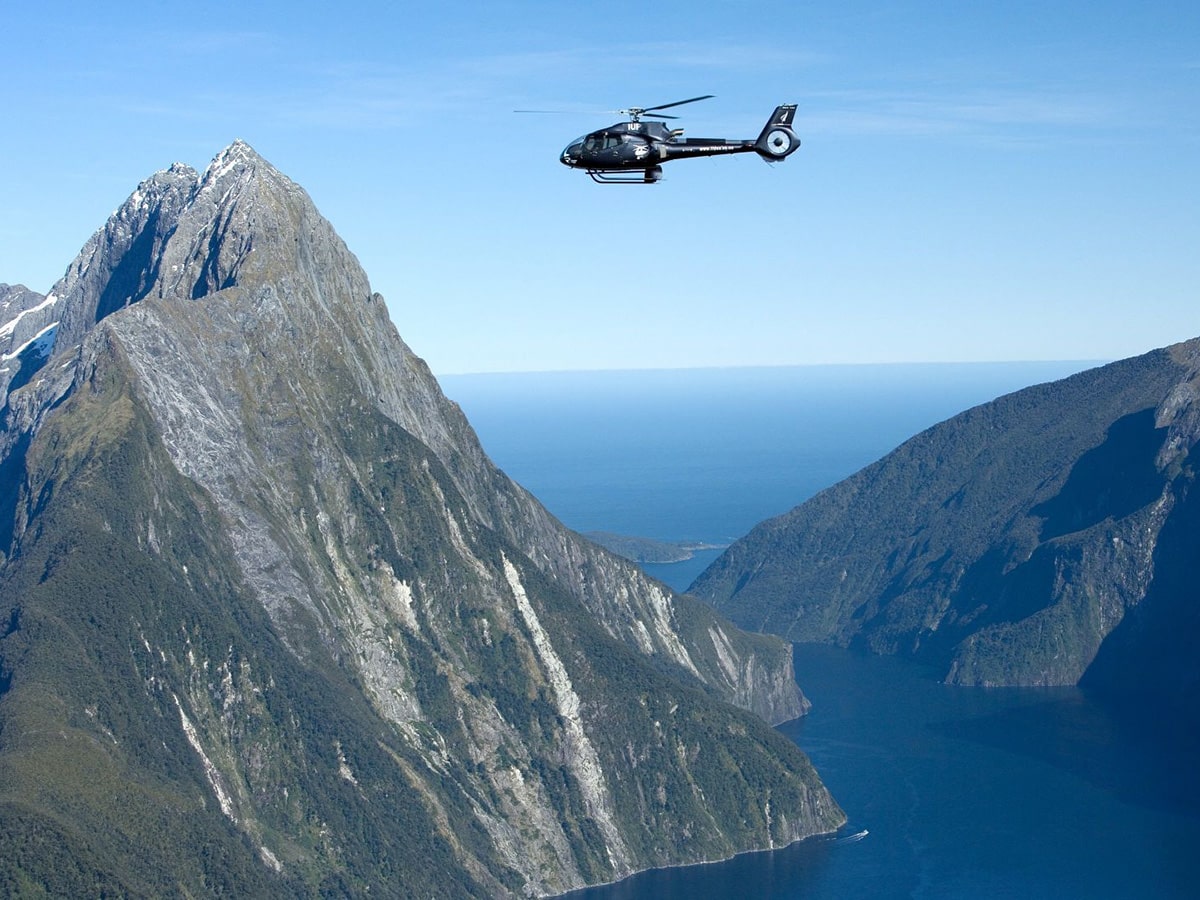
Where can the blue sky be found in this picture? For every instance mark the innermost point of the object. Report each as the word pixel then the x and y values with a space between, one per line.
pixel 1005 181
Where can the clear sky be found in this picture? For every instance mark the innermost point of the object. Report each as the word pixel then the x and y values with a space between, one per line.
pixel 995 181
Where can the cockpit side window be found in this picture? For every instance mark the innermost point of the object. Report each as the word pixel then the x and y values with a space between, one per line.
pixel 605 141
pixel 602 141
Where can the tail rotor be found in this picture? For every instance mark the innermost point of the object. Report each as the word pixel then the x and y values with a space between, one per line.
pixel 778 141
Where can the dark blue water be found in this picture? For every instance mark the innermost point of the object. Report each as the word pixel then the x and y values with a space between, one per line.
pixel 965 793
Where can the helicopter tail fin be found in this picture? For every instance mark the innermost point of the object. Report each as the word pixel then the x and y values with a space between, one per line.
pixel 777 140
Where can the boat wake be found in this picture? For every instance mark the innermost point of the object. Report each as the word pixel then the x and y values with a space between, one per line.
pixel 852 838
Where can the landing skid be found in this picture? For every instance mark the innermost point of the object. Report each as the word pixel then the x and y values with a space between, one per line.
pixel 641 176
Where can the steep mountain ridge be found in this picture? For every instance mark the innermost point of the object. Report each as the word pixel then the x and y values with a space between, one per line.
pixel 1006 544
pixel 350 629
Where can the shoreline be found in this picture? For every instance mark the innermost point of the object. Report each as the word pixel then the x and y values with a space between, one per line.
pixel 650 551
pixel 578 893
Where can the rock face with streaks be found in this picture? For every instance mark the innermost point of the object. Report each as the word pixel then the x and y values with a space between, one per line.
pixel 1048 537
pixel 271 621
pixel 27 330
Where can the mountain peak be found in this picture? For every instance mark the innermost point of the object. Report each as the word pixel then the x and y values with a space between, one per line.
pixel 184 235
pixel 241 148
pixel 238 156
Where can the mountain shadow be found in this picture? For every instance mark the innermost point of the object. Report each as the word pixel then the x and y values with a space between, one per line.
pixel 1112 480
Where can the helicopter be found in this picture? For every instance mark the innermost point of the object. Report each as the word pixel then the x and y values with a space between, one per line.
pixel 633 152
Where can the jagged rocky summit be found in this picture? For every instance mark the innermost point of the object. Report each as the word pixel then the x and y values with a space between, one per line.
pixel 272 624
pixel 1048 537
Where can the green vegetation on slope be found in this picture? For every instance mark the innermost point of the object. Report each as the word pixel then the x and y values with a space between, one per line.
pixel 108 639
pixel 124 616
pixel 1002 544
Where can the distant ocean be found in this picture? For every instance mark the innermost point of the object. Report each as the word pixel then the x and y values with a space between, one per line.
pixel 963 793
pixel 705 454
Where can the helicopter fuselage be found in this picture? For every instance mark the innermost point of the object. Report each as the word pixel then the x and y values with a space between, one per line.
pixel 635 151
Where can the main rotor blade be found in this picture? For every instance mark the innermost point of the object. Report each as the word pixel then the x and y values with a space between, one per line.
pixel 679 103
pixel 572 112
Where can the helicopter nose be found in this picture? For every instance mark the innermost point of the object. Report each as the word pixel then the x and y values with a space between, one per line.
pixel 570 156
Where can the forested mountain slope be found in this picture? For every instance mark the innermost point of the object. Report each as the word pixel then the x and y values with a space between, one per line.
pixel 1047 537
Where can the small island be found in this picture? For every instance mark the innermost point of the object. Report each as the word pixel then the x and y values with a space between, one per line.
pixel 649 550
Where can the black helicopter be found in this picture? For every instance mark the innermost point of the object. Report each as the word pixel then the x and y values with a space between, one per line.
pixel 633 152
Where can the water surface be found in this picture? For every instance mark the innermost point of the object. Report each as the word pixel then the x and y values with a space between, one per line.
pixel 967 793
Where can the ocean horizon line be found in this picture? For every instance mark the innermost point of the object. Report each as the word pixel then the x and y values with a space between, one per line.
pixel 736 367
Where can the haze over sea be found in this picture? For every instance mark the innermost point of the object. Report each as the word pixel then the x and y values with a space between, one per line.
pixel 964 793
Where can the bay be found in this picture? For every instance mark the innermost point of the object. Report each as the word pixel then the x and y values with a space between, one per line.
pixel 963 793
pixel 966 793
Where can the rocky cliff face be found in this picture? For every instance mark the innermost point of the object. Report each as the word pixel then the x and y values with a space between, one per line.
pixel 266 595
pixel 27 328
pixel 1037 539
